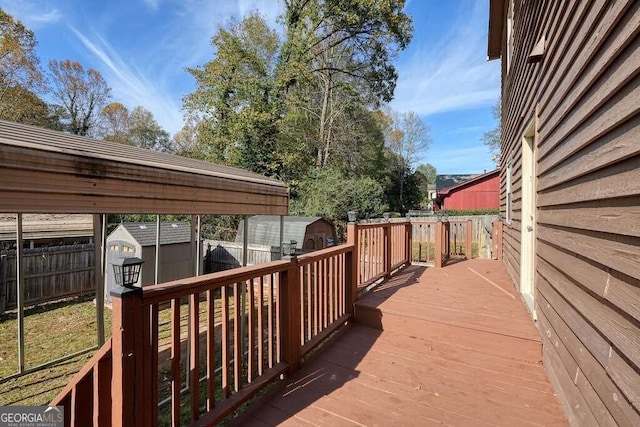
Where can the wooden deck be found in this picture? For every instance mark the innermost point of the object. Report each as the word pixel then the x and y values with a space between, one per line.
pixel 457 347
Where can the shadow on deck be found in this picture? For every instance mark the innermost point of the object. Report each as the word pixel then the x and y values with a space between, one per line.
pixel 452 346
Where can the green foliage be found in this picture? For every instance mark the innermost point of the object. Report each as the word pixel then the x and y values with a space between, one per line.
pixel 234 100
pixel 28 108
pixel 331 194
pixel 138 128
pixel 428 171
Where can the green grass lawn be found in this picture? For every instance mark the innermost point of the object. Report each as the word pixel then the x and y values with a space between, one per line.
pixel 51 331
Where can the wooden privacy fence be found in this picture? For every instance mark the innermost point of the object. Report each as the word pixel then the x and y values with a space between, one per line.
pixel 50 273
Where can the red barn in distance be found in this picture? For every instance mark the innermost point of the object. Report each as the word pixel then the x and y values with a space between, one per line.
pixel 465 192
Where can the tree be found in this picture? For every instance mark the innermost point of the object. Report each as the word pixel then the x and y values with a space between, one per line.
pixel 145 132
pixel 330 194
pixel 426 178
pixel 29 109
pixel 115 123
pixel 407 136
pixel 428 171
pixel 21 77
pixel 339 54
pixel 82 93
pixel 493 137
pixel 234 98
pixel 138 128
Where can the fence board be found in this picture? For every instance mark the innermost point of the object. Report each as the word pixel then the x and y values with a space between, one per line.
pixel 51 273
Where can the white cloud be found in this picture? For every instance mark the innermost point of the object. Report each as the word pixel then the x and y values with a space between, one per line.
pixel 452 74
pixel 33 14
pixel 152 4
pixel 129 85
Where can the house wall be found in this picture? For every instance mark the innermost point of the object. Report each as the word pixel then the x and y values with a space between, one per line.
pixel 481 195
pixel 584 100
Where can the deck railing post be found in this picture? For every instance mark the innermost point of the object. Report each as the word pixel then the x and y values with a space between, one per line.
pixel 496 237
pixel 350 288
pixel 290 314
pixel 127 385
pixel 439 244
pixel 468 254
pixel 352 239
pixel 387 250
pixel 408 241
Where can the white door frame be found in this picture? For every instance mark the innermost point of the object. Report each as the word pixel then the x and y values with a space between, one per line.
pixel 528 218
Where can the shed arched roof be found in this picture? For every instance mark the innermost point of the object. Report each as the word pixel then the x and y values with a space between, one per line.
pixel 46 171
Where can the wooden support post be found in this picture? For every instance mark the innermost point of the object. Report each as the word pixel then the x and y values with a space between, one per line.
pixel 468 252
pixel 128 393
pixel 408 240
pixel 439 244
pixel 387 250
pixel 354 265
pixel 290 314
pixel 496 237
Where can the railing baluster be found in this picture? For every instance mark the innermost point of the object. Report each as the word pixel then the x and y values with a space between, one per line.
pixel 325 294
pixel 237 337
pixel 309 303
pixel 251 332
pixel 278 324
pixel 300 274
pixel 270 320
pixel 226 391
pixel 316 299
pixel 153 349
pixel 211 350
pixel 260 325
pixel 176 381
pixel 194 354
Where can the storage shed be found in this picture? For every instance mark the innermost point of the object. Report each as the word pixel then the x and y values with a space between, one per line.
pixel 139 239
pixel 310 232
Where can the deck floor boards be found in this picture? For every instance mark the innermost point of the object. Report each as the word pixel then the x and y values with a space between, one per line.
pixel 457 347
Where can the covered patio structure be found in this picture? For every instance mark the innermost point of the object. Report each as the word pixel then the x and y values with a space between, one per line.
pixel 49 172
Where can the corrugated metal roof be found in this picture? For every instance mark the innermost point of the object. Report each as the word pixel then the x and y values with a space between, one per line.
pixel 170 232
pixel 265 229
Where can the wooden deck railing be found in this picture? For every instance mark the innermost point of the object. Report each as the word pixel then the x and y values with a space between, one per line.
pixel 87 398
pixel 380 248
pixel 244 329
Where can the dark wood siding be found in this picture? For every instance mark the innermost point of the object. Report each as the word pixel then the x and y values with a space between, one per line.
pixel 584 99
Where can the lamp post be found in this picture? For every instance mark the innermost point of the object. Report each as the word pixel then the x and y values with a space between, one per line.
pixel 386 216
pixel 127 271
pixel 352 216
pixel 289 248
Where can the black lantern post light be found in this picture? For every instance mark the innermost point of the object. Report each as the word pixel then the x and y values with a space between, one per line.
pixel 127 271
pixel 352 216
pixel 289 248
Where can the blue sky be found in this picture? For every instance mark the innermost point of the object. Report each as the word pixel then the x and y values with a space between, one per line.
pixel 142 47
